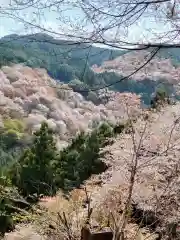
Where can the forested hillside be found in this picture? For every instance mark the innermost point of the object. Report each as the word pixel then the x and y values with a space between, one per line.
pixel 63 60
pixel 50 137
pixel 74 63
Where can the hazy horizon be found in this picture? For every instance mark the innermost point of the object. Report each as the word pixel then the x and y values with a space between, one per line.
pixel 28 22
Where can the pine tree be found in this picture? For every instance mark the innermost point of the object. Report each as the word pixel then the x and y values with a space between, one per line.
pixel 34 171
pixel 82 158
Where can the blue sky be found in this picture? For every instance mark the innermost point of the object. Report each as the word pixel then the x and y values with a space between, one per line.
pixel 138 32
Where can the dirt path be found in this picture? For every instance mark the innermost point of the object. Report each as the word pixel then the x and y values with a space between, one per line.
pixel 27 232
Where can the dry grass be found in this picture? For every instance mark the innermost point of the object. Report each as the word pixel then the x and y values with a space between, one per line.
pixel 60 209
pixel 106 212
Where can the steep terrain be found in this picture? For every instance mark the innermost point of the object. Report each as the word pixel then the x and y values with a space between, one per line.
pixel 156 189
pixel 29 96
pixel 32 96
pixel 64 60
pixel 159 69
pixel 73 63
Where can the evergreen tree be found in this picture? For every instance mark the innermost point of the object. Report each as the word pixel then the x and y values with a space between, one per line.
pixel 34 171
pixel 161 97
pixel 82 158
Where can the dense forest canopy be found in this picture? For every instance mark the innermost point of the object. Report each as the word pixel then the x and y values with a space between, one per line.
pixel 71 63
pixel 38 118
pixel 63 60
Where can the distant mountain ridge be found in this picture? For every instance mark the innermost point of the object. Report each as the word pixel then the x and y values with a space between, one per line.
pixel 64 60
pixel 161 70
pixel 45 43
pixel 85 67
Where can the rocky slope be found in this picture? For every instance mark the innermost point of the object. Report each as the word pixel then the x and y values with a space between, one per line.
pixel 32 96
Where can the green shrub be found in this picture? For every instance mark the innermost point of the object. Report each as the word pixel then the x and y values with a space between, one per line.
pixel 6 223
pixel 41 170
pixel 161 97
pixel 33 172
pixel 14 124
pixel 13 131
pixel 82 158
pixel 93 97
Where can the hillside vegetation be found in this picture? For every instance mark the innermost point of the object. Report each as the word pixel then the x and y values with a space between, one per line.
pixel 155 196
pixel 50 138
pixel 85 67
pixel 63 60
pixel 159 72
pixel 54 138
pixel 31 96
pixel 41 169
